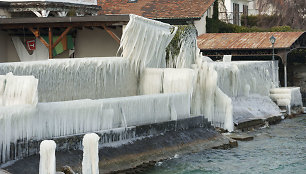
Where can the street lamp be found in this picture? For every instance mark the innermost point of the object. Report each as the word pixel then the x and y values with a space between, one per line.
pixel 272 40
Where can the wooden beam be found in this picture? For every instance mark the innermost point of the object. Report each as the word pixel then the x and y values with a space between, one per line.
pixel 61 36
pixel 50 43
pixel 37 35
pixel 113 35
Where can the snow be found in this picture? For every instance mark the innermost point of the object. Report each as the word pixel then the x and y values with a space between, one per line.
pixel 254 106
pixel 55 119
pixel 82 78
pixel 144 42
pixel 90 163
pixel 18 90
pixel 47 163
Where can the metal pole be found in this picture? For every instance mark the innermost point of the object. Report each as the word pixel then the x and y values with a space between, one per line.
pixel 285 74
pixel 273 52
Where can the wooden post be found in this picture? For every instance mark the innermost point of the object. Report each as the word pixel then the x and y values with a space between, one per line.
pixel 37 35
pixel 61 37
pixel 112 34
pixel 50 43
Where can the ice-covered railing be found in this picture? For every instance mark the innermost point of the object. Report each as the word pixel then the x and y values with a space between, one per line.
pixel 55 119
pixel 144 42
pixel 72 79
pixel 18 90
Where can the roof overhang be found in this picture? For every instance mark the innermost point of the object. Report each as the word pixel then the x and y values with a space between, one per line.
pixel 76 21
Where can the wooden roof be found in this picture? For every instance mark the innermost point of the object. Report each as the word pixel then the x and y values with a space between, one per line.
pixel 259 40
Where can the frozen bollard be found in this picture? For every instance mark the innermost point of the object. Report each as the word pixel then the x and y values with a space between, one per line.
pixel 90 154
pixel 47 157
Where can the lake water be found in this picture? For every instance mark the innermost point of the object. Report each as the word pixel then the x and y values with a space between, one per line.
pixel 277 149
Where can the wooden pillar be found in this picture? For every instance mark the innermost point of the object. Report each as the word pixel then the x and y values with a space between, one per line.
pixel 50 43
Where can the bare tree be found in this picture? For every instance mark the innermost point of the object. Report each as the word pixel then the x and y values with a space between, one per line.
pixel 285 12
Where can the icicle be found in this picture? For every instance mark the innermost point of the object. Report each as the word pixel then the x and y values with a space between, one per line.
pixel 73 79
pixel 18 90
pixel 47 163
pixel 144 42
pixel 90 163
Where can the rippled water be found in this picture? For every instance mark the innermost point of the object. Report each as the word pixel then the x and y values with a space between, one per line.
pixel 277 149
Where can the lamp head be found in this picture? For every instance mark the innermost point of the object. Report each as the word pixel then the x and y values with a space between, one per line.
pixel 272 39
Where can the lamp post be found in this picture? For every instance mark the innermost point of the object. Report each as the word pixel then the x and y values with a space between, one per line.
pixel 272 40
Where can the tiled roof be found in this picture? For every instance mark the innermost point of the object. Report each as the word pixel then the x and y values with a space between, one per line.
pixel 260 40
pixel 157 9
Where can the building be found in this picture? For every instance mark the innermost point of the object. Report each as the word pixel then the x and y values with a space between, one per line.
pixel 175 12
pixel 231 11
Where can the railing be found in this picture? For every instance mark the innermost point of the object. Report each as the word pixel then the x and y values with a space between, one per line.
pixel 85 2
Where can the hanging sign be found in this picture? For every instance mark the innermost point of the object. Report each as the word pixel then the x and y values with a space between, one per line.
pixel 31 44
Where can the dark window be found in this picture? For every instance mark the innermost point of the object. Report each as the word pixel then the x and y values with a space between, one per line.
pixel 245 10
pixel 235 13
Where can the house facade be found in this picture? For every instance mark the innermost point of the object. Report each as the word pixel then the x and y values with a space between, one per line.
pixel 231 11
pixel 175 12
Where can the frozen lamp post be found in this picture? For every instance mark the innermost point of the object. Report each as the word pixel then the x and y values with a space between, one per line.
pixel 272 40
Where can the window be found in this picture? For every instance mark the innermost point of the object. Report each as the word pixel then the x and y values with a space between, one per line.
pixel 235 13
pixel 245 10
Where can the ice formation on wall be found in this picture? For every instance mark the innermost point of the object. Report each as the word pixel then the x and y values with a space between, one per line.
pixel 234 78
pixel 48 120
pixel 144 42
pixel 289 96
pixel 90 154
pixel 47 163
pixel 18 90
pixel 72 79
pixel 200 83
pixel 208 98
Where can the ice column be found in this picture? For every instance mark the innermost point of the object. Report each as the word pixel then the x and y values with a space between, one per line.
pixel 90 154
pixel 47 157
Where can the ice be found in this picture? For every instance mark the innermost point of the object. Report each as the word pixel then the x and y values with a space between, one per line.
pixel 288 96
pixel 73 79
pixel 200 83
pixel 18 90
pixel 254 106
pixel 234 78
pixel 47 163
pixel 144 42
pixel 55 119
pixel 90 163
pixel 187 53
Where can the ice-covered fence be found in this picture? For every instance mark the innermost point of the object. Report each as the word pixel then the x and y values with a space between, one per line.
pixel 18 90
pixel 48 120
pixel 73 79
pixel 240 78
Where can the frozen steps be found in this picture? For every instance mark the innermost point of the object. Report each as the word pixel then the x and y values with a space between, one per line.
pixel 288 99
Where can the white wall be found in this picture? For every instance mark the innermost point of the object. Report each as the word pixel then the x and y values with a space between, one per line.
pixel 96 43
pixel 7 50
pixel 201 25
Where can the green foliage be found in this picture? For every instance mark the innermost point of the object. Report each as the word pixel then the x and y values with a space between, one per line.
pixel 174 45
pixel 217 26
